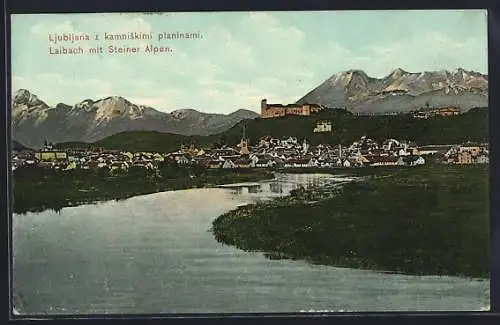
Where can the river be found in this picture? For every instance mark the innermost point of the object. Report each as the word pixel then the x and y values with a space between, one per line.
pixel 155 254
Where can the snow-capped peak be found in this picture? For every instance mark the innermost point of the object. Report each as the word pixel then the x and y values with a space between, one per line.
pixel 23 96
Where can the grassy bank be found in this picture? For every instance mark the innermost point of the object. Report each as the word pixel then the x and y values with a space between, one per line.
pixel 431 220
pixel 350 171
pixel 37 189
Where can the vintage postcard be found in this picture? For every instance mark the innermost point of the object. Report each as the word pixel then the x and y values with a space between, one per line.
pixel 244 162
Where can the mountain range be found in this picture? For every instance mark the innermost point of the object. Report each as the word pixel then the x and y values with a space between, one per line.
pixel 33 121
pixel 401 91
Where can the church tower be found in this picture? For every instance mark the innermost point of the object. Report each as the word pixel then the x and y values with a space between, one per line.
pixel 305 146
pixel 244 143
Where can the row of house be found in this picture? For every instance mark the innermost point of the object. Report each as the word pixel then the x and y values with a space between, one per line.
pixel 288 152
pixel 427 112
pixel 95 158
pixel 467 154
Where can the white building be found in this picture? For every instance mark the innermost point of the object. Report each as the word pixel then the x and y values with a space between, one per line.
pixel 228 164
pixel 323 126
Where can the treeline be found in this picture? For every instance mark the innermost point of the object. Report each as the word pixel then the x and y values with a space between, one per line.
pixel 346 128
pixel 471 126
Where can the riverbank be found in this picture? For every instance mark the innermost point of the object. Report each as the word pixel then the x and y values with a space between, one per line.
pixel 429 220
pixel 37 189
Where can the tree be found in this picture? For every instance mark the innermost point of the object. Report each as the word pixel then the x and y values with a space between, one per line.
pixel 216 144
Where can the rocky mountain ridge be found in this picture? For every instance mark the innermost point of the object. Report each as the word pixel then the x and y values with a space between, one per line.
pixel 33 121
pixel 401 91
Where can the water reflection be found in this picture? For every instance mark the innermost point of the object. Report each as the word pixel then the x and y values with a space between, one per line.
pixel 281 186
pixel 276 187
pixel 154 253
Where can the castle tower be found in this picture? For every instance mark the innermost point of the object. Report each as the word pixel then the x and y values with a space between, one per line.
pixel 263 108
pixel 263 104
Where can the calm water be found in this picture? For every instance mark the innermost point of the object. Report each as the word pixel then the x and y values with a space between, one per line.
pixel 156 254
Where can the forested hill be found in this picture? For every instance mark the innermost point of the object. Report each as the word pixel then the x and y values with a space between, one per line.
pixel 470 126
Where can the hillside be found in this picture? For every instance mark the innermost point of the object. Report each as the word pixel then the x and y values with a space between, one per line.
pixel 401 91
pixel 19 146
pixel 152 141
pixel 34 121
pixel 347 128
pixel 470 126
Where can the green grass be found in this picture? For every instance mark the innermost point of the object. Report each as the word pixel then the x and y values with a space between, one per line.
pixel 37 189
pixel 431 220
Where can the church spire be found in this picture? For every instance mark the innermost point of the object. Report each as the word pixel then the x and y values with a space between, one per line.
pixel 244 143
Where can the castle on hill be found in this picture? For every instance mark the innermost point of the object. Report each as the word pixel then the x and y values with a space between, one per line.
pixel 278 110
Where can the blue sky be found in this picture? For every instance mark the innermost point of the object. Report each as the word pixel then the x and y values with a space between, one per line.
pixel 243 56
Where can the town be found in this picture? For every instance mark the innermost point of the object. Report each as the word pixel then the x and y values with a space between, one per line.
pixel 271 153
